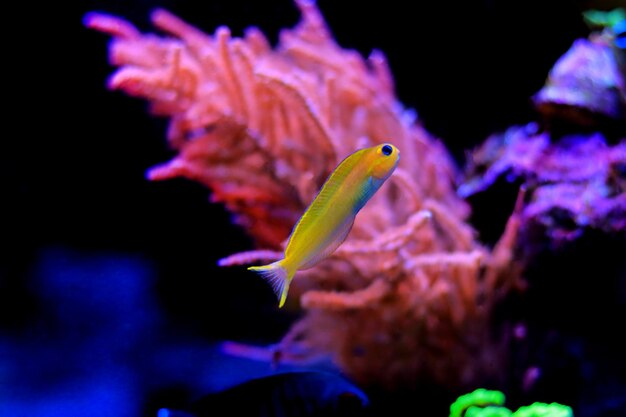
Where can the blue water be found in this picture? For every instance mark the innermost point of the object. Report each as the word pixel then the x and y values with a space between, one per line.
pixel 100 345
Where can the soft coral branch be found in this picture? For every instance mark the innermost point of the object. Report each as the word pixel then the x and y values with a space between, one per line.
pixel 263 127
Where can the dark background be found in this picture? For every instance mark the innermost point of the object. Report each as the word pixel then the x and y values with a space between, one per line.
pixel 110 300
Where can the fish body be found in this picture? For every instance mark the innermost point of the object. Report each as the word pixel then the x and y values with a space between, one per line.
pixel 328 220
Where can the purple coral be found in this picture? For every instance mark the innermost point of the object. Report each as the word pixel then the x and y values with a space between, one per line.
pixel 575 183
pixel 587 78
pixel 574 164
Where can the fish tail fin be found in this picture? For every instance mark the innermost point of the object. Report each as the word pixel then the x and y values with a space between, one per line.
pixel 278 276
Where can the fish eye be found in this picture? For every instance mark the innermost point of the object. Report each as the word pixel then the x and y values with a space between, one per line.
pixel 386 150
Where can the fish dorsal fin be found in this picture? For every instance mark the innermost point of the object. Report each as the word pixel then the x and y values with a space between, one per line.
pixel 326 195
pixel 335 240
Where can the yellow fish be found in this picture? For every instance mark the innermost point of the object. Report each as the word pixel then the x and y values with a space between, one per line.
pixel 329 218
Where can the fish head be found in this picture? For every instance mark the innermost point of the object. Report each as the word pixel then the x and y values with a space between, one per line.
pixel 383 160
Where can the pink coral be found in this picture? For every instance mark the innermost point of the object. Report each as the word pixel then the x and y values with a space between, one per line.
pixel 410 293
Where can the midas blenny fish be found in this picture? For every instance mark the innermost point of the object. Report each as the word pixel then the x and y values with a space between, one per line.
pixel 329 218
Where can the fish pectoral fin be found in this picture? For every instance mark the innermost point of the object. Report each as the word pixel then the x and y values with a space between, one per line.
pixel 332 244
pixel 278 277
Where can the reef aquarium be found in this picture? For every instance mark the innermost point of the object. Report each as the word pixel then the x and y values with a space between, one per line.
pixel 299 208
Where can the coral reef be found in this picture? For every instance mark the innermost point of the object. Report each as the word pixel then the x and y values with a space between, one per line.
pixel 585 82
pixel 574 183
pixel 478 398
pixel 572 235
pixel 488 403
pixel 573 162
pixel 409 296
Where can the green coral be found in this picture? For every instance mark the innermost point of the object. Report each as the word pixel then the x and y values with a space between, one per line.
pixel 489 403
pixel 544 410
pixel 480 397
pixel 489 411
pixel 598 18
